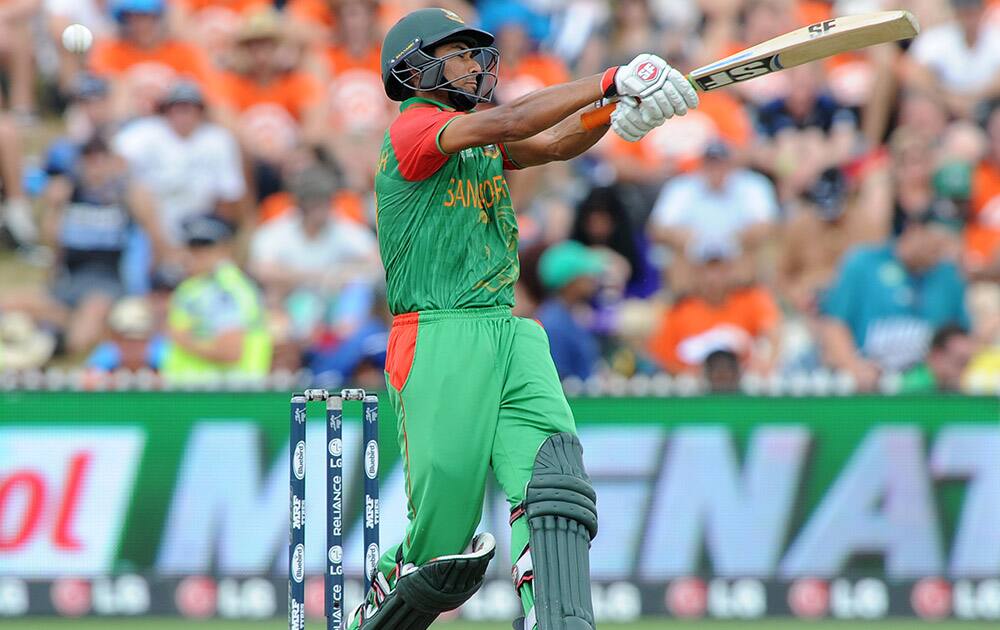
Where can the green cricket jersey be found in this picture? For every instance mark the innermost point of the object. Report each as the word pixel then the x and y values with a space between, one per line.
pixel 446 228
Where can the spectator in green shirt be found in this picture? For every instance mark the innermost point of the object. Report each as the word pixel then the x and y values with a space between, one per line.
pixel 950 352
pixel 216 322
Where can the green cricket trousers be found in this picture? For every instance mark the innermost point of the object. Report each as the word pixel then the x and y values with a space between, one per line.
pixel 474 390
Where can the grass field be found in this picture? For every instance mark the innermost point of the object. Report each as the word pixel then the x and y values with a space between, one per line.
pixel 770 624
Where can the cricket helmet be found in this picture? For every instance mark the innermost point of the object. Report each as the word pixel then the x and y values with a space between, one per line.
pixel 408 63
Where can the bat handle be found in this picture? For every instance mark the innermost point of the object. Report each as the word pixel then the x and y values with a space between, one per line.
pixel 597 117
pixel 602 115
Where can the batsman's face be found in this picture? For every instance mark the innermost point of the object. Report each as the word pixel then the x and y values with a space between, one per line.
pixel 461 68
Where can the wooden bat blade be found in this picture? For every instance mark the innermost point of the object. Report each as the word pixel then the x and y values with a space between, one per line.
pixel 809 43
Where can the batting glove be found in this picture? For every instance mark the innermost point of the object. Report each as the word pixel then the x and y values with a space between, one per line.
pixel 628 121
pixel 661 90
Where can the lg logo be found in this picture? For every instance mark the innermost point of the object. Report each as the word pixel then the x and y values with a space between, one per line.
pixel 647 71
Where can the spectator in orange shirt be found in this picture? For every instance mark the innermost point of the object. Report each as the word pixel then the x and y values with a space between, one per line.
pixel 145 60
pixel 210 24
pixel 982 233
pixel 313 20
pixel 718 314
pixel 357 111
pixel 271 105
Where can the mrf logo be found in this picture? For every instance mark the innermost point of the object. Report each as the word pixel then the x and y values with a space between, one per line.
pixel 647 71
pixel 298 512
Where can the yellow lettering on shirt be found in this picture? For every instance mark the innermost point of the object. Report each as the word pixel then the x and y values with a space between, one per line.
pixel 383 160
pixel 486 188
pixel 478 195
pixel 472 195
pixel 500 186
pixel 451 195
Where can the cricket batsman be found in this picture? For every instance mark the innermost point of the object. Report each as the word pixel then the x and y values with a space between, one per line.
pixel 474 388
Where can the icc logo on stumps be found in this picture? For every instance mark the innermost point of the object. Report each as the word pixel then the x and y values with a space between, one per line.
pixel 300 415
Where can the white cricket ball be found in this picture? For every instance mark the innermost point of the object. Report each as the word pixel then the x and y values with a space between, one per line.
pixel 77 38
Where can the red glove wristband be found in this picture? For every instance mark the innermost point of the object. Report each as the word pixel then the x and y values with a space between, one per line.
pixel 608 87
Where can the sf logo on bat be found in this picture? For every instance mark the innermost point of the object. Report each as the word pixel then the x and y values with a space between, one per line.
pixel 821 28
pixel 736 74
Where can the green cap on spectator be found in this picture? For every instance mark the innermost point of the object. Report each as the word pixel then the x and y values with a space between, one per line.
pixel 953 180
pixel 565 262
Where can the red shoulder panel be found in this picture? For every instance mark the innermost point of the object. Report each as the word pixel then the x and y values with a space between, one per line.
pixel 414 140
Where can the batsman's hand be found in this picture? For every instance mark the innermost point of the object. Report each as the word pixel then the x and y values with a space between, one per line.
pixel 635 115
pixel 627 121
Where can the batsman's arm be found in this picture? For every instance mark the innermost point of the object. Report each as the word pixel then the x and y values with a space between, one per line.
pixel 568 139
pixel 522 118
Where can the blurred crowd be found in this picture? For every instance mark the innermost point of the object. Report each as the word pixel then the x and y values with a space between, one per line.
pixel 199 188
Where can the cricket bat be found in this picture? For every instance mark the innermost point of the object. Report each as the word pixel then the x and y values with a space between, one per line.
pixel 809 43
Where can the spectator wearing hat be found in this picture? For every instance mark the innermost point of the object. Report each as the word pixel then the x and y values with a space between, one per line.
pixel 88 217
pixel 210 24
pixel 569 272
pixel 720 201
pixel 959 59
pixel 133 342
pixel 887 299
pixel 144 59
pixel 191 165
pixel 717 314
pixel 272 105
pixel 23 345
pixel 216 323
pixel 319 267
pixel 88 115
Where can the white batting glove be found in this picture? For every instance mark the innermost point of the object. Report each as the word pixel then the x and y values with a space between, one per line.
pixel 675 98
pixel 642 76
pixel 628 121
